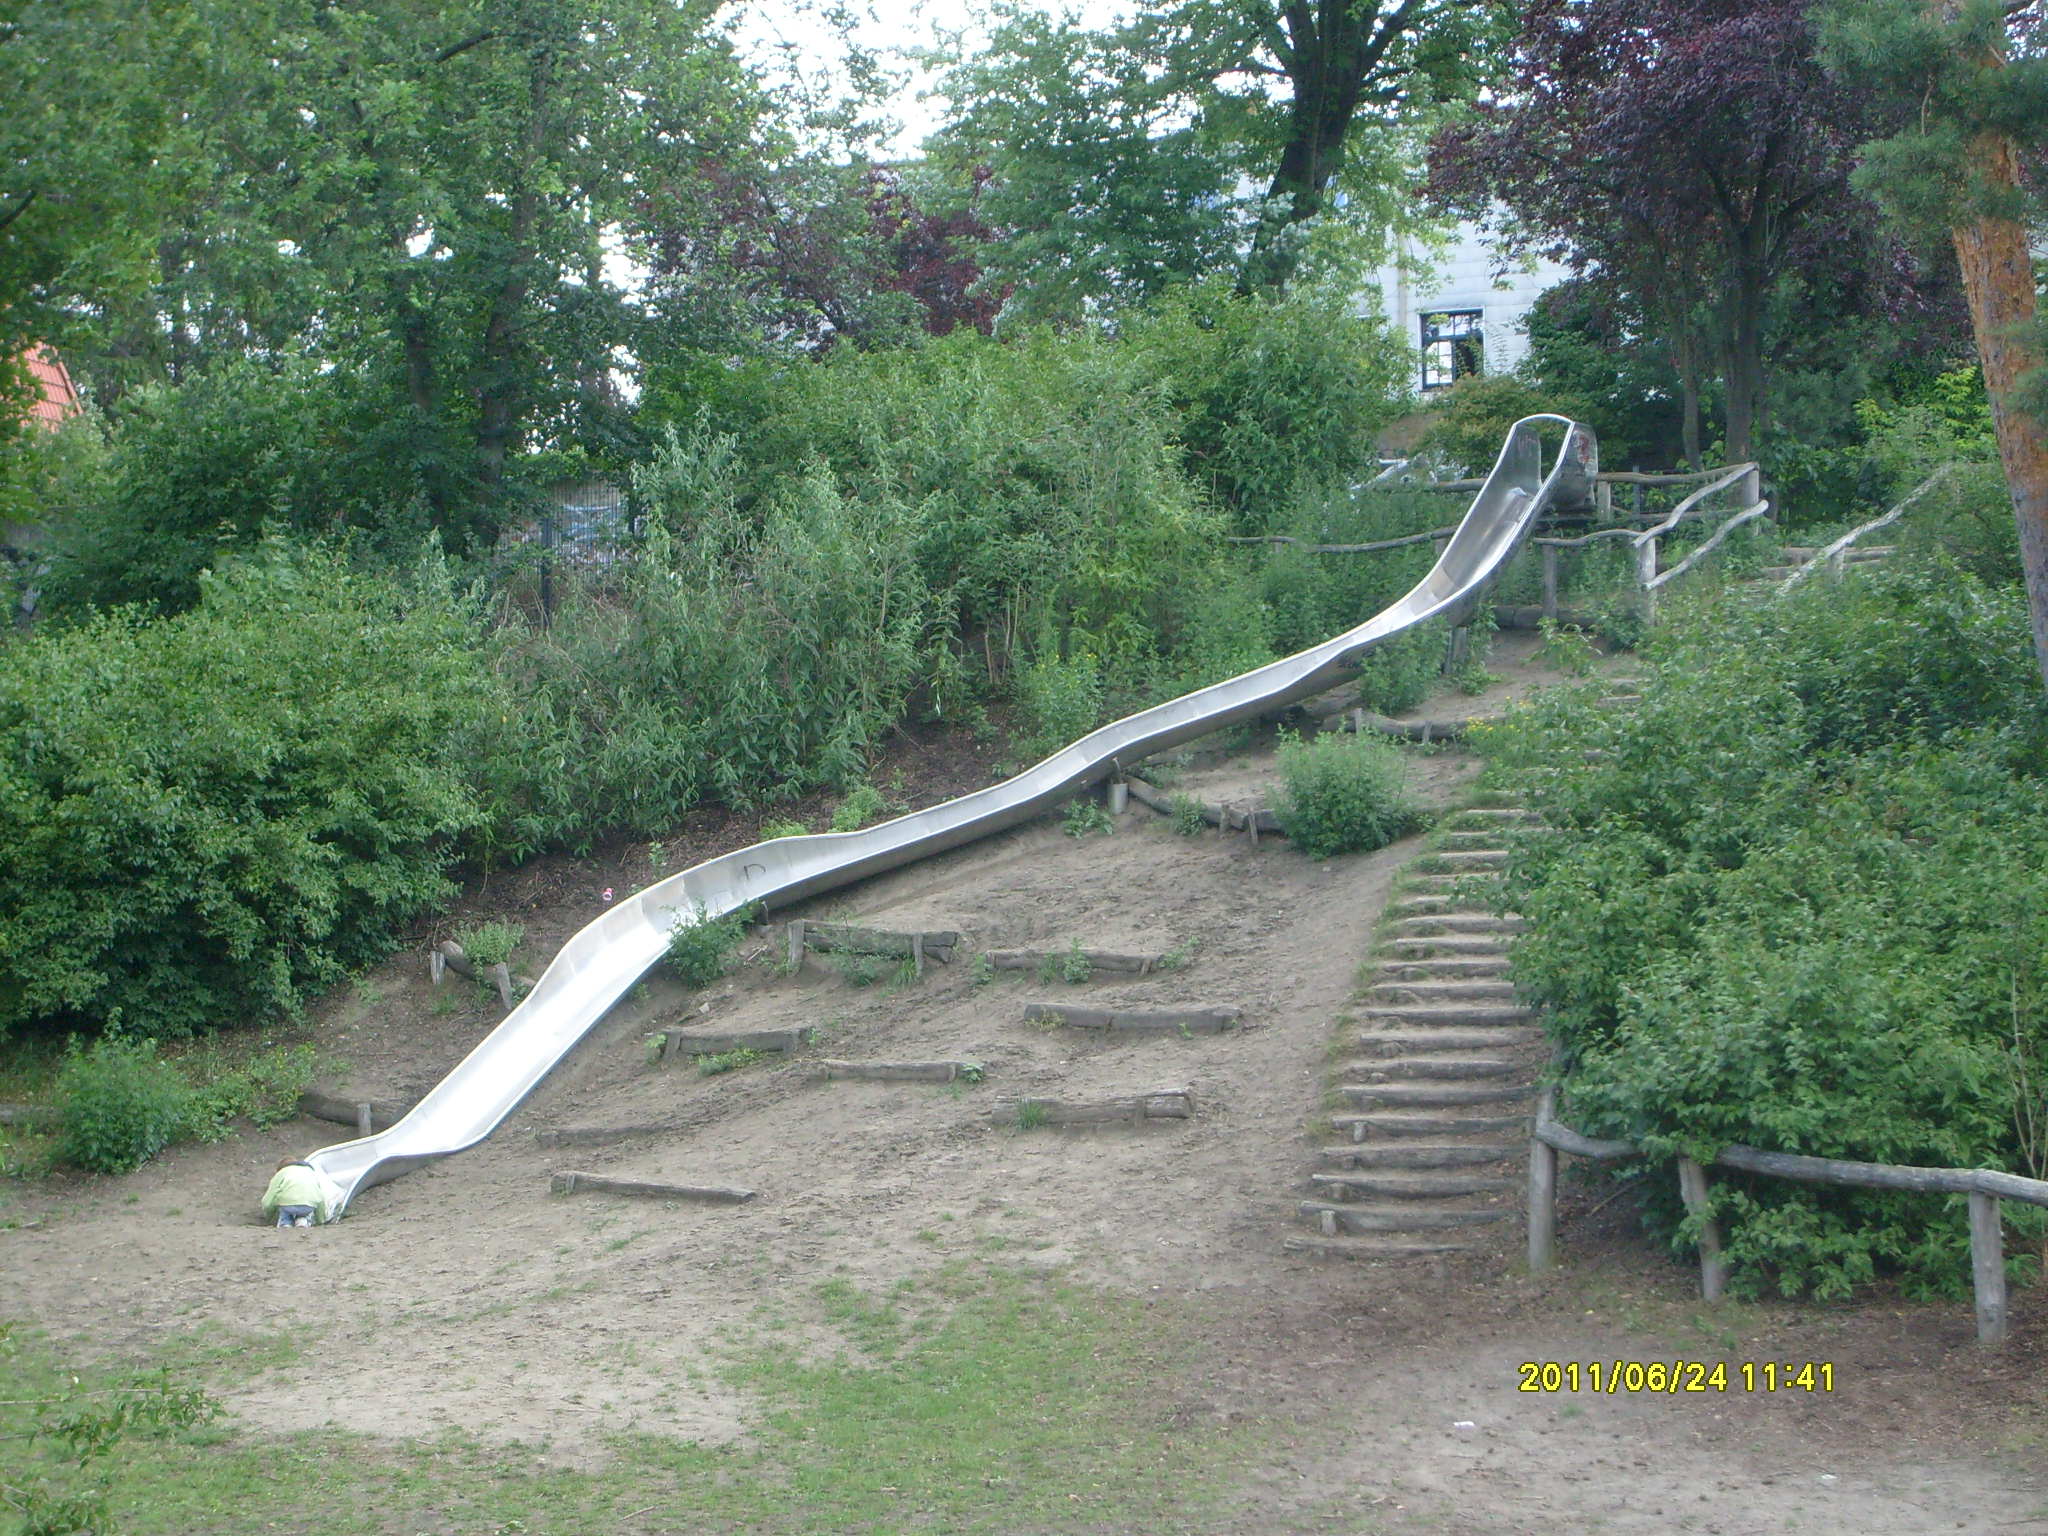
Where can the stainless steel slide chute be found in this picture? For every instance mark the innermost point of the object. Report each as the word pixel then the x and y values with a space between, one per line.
pixel 597 966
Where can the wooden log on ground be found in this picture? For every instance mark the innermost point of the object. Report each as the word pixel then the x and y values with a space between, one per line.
pixel 597 1135
pixel 1130 1109
pixel 1531 615
pixel 1098 960
pixel 327 1106
pixel 903 1071
pixel 848 939
pixel 1229 818
pixel 38 1117
pixel 709 1042
pixel 1188 1021
pixel 1417 730
pixel 702 1194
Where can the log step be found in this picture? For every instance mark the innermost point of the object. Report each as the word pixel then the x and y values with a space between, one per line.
pixel 1455 922
pixel 1417 1154
pixel 1413 992
pixel 1397 971
pixel 1434 904
pixel 704 1194
pixel 1468 839
pixel 1421 947
pixel 1392 1042
pixel 1406 1184
pixel 1370 1246
pixel 1472 884
pixel 1483 1015
pixel 1460 860
pixel 1491 815
pixel 1182 1021
pixel 903 1071
pixel 1429 1095
pixel 1432 1069
pixel 1395 1125
pixel 706 1042
pixel 1334 1217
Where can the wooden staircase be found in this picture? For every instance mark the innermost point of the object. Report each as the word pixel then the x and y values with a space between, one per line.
pixel 1436 1088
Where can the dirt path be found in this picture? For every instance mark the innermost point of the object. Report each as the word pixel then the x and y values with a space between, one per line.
pixel 465 1295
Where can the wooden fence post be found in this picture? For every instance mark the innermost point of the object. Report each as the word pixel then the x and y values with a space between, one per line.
pixel 1692 1189
pixel 365 1123
pixel 1542 1204
pixel 1550 560
pixel 1987 1268
pixel 1646 572
pixel 796 943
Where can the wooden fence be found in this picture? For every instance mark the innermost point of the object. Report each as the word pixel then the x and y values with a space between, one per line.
pixel 1985 1187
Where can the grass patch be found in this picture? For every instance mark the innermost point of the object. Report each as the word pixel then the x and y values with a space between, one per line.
pixel 975 1401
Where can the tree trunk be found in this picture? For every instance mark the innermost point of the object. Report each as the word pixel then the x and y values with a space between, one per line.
pixel 1998 279
pixel 1744 340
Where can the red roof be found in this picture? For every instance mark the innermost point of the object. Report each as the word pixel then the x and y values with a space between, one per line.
pixel 57 397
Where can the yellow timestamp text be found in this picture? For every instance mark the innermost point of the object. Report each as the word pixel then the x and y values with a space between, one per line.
pixel 1674 1378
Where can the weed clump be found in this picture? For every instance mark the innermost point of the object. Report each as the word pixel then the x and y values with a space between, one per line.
pixel 1342 794
pixel 700 946
pixel 122 1105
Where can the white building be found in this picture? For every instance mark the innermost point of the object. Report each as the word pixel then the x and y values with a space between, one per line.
pixel 1461 306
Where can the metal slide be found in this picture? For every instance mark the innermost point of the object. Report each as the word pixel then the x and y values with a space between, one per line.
pixel 598 965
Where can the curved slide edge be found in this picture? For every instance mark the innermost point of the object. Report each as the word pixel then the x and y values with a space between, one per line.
pixel 596 967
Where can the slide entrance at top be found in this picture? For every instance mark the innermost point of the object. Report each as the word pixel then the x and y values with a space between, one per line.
pixel 602 961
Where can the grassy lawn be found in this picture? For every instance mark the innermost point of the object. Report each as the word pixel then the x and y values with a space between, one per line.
pixel 979 1400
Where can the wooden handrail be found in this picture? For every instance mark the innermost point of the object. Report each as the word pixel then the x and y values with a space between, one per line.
pixel 1985 1187
pixel 1836 549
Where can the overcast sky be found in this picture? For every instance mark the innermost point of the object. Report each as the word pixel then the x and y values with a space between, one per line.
pixel 770 30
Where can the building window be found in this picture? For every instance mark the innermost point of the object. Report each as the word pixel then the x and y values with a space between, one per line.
pixel 1452 346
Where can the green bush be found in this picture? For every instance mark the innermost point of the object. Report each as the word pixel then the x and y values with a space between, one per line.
pixel 1277 399
pixel 489 943
pixel 198 471
pixel 863 803
pixel 1795 900
pixel 1474 414
pixel 700 947
pixel 263 1088
pixel 1342 794
pixel 122 1105
pixel 210 816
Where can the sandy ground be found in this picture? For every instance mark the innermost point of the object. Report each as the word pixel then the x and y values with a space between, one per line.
pixel 466 1294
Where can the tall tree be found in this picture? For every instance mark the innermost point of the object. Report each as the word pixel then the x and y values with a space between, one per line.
pixel 1971 80
pixel 1200 135
pixel 1675 148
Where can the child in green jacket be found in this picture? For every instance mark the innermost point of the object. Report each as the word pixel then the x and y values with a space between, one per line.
pixel 299 1195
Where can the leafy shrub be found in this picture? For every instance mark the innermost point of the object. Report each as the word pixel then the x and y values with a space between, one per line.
pixel 207 817
pixel 1075 966
pixel 1277 399
pixel 122 1105
pixel 1475 413
pixel 728 1061
pixel 200 470
pixel 699 946
pixel 262 1088
pixel 1188 819
pixel 489 943
pixel 1061 701
pixel 770 830
pixel 1084 816
pixel 1342 794
pixel 863 804
pixel 1793 901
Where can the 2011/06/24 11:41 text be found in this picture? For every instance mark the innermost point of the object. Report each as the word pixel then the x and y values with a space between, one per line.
pixel 1674 1377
